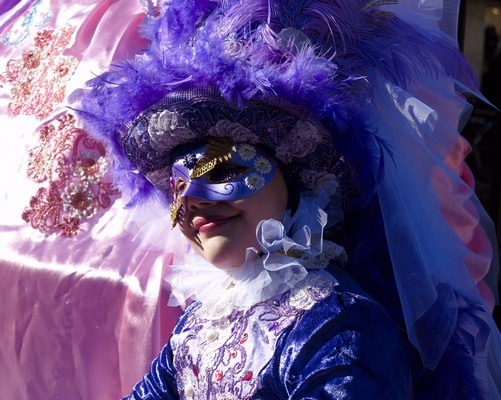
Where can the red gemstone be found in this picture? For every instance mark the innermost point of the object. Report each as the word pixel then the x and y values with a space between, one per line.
pixel 233 353
pixel 244 338
pixel 89 165
pixel 62 70
pixel 247 376
pixel 195 370
pixel 219 376
pixel 80 201
pixel 31 60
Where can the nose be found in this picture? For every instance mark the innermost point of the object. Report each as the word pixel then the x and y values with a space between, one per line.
pixel 195 203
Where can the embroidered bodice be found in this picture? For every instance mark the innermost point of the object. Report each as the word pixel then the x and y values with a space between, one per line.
pixel 221 358
pixel 321 339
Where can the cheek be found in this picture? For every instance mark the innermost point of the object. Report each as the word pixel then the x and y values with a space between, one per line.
pixel 272 204
pixel 262 211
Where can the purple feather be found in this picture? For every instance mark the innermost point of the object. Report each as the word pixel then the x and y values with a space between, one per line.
pixel 320 54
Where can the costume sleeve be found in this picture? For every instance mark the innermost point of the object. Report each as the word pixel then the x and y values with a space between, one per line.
pixel 160 382
pixel 344 348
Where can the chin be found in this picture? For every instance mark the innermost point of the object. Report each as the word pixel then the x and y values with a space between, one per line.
pixel 224 253
pixel 226 260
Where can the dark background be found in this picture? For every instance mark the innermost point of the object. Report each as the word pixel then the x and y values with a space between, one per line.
pixel 484 129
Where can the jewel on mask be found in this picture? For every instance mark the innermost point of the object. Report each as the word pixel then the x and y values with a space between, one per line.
pixel 190 160
pixel 176 208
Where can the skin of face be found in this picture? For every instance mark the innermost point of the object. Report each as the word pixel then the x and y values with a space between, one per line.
pixel 221 231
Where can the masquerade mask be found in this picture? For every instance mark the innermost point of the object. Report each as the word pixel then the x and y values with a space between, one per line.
pixel 219 171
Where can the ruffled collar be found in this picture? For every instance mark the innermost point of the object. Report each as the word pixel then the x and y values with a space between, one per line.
pixel 288 249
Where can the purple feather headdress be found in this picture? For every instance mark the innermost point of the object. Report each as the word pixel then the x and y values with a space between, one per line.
pixel 317 56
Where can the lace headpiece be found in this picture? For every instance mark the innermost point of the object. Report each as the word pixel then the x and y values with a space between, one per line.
pixel 297 141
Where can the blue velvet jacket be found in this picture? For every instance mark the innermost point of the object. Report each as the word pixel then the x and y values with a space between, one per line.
pixel 329 343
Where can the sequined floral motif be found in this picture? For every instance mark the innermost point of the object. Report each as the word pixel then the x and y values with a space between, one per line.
pixel 254 181
pixel 262 165
pixel 246 151
pixel 75 170
pixel 38 79
pixel 310 291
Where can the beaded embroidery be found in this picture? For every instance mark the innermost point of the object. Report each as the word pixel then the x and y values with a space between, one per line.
pixel 74 167
pixel 39 78
pixel 221 358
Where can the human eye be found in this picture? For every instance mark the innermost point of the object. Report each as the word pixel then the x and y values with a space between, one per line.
pixel 227 172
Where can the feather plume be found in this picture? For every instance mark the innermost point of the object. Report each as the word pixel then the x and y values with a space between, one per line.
pixel 320 54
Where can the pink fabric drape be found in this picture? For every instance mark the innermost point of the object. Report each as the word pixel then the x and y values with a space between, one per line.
pixel 83 308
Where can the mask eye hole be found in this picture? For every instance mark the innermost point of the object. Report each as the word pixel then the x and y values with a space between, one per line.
pixel 227 172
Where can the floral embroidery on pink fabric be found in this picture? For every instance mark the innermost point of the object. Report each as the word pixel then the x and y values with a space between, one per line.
pixel 38 79
pixel 75 168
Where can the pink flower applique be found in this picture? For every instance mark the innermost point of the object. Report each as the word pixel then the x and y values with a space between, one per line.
pixel 39 78
pixel 75 169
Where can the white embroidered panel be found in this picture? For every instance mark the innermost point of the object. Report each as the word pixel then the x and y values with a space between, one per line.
pixel 220 359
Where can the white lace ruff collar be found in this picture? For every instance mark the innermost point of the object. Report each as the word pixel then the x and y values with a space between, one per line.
pixel 288 250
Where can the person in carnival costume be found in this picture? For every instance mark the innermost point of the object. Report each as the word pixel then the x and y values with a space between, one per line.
pixel 309 153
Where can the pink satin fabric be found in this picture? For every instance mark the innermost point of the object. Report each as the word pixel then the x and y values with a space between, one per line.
pixel 82 317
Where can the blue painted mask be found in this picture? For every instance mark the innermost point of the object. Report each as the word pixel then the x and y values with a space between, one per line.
pixel 220 171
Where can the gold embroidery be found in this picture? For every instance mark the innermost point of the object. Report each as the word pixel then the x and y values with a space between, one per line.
pixel 176 209
pixel 218 151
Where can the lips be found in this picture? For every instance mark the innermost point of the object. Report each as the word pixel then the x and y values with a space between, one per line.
pixel 208 224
